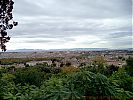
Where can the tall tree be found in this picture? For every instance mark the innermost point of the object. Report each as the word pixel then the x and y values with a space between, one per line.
pixel 6 21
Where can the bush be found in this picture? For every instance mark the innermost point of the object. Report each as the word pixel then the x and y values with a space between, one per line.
pixel 32 76
pixel 122 80
pixel 90 84
pixel 111 69
pixel 70 83
pixel 69 69
pixel 129 66
pixel 26 92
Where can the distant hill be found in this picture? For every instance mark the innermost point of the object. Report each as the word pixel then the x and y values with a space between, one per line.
pixel 71 49
pixel 25 50
pixel 80 49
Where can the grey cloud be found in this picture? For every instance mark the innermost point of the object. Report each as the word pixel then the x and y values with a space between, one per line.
pixel 64 27
pixel 47 40
pixel 24 8
pixel 121 43
pixel 120 34
pixel 37 41
pixel 75 8
pixel 61 20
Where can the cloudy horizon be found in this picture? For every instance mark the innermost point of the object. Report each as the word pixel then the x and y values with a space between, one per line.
pixel 58 24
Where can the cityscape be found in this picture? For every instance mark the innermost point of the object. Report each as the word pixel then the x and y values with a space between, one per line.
pixel 66 50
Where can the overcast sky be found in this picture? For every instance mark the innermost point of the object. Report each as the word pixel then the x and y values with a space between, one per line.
pixel 56 24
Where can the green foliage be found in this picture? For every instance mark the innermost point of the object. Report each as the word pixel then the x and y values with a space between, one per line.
pixel 122 80
pixel 3 84
pixel 129 66
pixel 30 75
pixel 69 69
pixel 112 68
pixel 42 82
pixel 54 89
pixel 81 80
pixel 101 86
pixel 60 89
pixel 100 61
pixel 27 92
pixel 97 69
pixel 8 77
pixel 89 84
pixel 2 71
pixel 129 61
pixel 124 95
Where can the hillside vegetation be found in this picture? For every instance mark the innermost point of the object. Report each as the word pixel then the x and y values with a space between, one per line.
pixel 43 82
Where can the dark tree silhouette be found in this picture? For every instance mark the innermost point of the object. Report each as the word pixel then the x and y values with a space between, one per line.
pixel 6 21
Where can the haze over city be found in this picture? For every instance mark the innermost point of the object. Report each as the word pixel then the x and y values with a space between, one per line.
pixel 57 24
